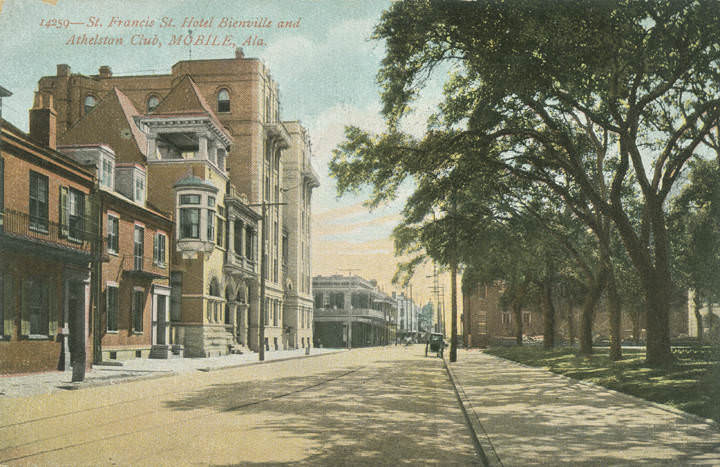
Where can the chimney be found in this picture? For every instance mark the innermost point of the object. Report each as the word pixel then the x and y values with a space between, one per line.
pixel 43 121
pixel 105 71
pixel 63 70
pixel 239 53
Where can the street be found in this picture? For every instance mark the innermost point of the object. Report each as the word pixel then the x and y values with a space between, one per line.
pixel 386 405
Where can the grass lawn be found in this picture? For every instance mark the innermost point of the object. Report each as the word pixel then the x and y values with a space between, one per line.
pixel 689 385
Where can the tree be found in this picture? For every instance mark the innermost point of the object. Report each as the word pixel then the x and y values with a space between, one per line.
pixel 534 76
pixel 425 317
pixel 695 224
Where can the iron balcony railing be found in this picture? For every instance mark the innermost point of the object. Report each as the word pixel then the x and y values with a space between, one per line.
pixel 143 265
pixel 44 232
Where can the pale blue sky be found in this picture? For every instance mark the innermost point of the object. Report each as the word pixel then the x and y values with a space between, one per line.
pixel 326 70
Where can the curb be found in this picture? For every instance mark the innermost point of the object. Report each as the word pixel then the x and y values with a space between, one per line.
pixel 87 384
pixel 483 445
pixel 667 408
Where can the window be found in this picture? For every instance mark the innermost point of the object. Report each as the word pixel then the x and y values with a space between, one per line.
pixel 38 202
pixel 189 223
pixel 221 232
pixel 210 225
pixel 526 318
pixel 319 303
pixel 139 188
pixel 89 103
pixel 189 199
pixel 111 307
pixel 138 304
pixel 211 201
pixel 223 101
pixel 505 318
pixel 249 243
pixel 76 209
pixel 106 174
pixel 139 249
pixel 337 300
pixel 159 249
pixel 113 231
pixel 175 296
pixel 35 307
pixel 152 103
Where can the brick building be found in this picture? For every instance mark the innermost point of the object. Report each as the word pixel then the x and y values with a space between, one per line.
pixel 46 250
pixel 218 121
pixel 134 283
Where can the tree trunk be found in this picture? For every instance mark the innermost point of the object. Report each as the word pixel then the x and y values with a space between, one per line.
pixel 636 316
pixel 657 315
pixel 615 312
pixel 517 317
pixel 658 286
pixel 698 302
pixel 548 316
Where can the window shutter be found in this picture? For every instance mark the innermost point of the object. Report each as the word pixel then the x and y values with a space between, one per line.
pixel 52 309
pixel 9 305
pixel 64 219
pixel 25 308
pixel 156 248
pixel 90 217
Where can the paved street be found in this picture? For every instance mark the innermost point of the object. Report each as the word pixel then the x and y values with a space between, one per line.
pixel 379 406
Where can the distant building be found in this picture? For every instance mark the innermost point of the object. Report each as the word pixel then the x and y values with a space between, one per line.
pixel 486 322
pixel 352 312
pixel 407 311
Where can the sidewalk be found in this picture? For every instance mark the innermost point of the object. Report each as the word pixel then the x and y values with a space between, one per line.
pixel 530 416
pixel 140 368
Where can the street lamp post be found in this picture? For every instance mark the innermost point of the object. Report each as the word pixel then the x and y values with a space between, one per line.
pixel 261 321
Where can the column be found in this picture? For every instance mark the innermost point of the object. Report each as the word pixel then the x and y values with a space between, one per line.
pixel 203 148
pixel 231 234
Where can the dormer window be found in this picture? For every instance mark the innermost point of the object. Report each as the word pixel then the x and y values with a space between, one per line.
pixel 89 104
pixel 107 170
pixel 152 103
pixel 223 101
pixel 139 188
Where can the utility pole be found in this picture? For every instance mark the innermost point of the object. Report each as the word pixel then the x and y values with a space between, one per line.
pixel 261 321
pixel 453 278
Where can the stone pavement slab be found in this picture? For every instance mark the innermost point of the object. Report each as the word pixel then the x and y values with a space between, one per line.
pixel 531 416
pixel 140 368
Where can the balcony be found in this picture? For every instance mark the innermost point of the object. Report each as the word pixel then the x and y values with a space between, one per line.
pixel 240 266
pixel 143 267
pixel 18 229
pixel 368 313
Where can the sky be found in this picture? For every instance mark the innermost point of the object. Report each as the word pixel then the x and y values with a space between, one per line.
pixel 325 65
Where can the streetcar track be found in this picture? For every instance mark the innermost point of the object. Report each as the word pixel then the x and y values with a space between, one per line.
pixel 113 404
pixel 153 427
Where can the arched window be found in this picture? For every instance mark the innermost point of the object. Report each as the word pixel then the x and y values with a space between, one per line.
pixel 89 103
pixel 214 289
pixel 223 101
pixel 152 103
